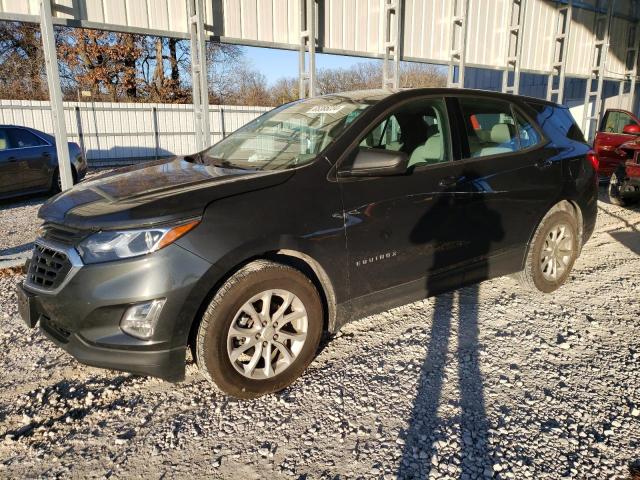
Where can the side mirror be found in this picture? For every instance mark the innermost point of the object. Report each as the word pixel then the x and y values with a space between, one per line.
pixel 631 129
pixel 373 162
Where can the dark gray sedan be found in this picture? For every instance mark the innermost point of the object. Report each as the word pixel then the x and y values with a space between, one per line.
pixel 29 162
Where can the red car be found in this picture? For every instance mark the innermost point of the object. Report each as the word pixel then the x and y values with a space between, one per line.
pixel 624 185
pixel 618 128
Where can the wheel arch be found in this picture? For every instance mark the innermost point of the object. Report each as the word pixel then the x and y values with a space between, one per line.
pixel 292 258
pixel 565 205
pixel 56 171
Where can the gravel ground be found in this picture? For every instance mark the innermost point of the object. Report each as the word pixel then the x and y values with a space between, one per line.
pixel 19 221
pixel 491 381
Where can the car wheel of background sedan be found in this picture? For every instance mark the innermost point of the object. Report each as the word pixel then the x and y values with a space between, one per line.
pixel 260 331
pixel 552 252
pixel 616 191
pixel 56 181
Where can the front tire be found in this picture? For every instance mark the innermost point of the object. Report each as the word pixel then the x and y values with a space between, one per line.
pixel 56 183
pixel 260 331
pixel 552 252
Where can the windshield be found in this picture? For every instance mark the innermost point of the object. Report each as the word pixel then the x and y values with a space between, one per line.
pixel 287 136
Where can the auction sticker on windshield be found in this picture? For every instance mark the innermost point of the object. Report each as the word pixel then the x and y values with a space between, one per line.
pixel 325 109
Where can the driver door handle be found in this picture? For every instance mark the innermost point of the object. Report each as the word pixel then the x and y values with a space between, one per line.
pixel 448 181
pixel 12 159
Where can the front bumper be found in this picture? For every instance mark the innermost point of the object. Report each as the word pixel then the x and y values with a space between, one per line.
pixel 83 316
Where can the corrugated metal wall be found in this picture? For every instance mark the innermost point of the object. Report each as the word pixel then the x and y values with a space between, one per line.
pixel 128 130
pixel 356 26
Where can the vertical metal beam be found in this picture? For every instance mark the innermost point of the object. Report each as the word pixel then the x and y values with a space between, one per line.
pixel 515 26
pixel 392 43
pixel 631 102
pixel 199 77
pixel 593 97
pixel 156 131
pixel 631 62
pixel 55 93
pixel 458 43
pixel 308 40
pixel 560 50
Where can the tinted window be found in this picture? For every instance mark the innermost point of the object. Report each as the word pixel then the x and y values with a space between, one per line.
pixel 386 135
pixel 420 130
pixel 4 141
pixel 557 121
pixel 490 126
pixel 614 122
pixel 526 132
pixel 21 138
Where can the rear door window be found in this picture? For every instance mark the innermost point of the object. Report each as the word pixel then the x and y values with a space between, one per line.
pixel 495 127
pixel 490 126
pixel 21 138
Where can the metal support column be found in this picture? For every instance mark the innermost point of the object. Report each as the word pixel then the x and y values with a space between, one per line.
pixel 308 39
pixel 593 97
pixel 515 24
pixel 55 94
pixel 626 99
pixel 458 43
pixel 199 77
pixel 555 92
pixel 392 43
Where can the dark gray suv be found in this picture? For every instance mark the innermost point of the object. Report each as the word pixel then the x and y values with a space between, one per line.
pixel 318 212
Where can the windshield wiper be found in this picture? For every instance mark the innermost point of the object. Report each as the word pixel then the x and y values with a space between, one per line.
pixel 219 162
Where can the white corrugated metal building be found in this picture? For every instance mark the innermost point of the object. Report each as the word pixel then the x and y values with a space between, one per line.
pixel 544 48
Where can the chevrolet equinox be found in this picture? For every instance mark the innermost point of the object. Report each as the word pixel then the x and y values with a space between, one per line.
pixel 318 212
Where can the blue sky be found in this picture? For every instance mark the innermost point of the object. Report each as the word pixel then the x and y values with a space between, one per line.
pixel 275 64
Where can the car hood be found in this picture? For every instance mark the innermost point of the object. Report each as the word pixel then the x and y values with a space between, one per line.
pixel 152 193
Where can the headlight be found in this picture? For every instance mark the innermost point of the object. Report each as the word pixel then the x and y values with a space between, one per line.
pixel 107 246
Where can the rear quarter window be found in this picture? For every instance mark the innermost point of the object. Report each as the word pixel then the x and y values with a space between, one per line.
pixel 557 121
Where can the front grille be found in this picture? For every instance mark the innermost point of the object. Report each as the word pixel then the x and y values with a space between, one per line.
pixel 48 267
pixel 61 233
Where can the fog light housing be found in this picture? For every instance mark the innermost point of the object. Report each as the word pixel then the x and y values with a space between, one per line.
pixel 140 320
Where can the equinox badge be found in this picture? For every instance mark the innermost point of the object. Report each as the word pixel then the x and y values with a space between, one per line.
pixel 376 258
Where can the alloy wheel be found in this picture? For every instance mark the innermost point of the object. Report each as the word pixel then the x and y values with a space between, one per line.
pixel 556 252
pixel 267 334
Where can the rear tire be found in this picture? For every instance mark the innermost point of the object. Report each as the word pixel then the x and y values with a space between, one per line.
pixel 617 189
pixel 265 310
pixel 552 252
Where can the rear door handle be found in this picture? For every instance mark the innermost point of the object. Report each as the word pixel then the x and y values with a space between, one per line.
pixel 544 164
pixel 13 159
pixel 448 181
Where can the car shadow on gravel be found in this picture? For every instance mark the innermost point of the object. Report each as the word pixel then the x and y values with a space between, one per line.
pixel 428 438
pixel 629 238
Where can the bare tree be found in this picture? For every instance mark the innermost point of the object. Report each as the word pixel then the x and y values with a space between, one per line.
pixel 223 61
pixel 22 70
pixel 284 90
pixel 413 75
